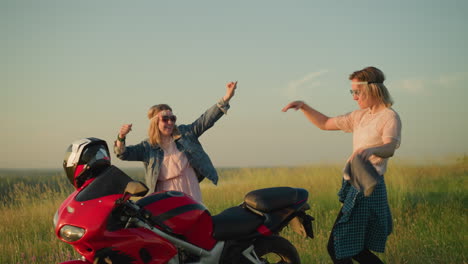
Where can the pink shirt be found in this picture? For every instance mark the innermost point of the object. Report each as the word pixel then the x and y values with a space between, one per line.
pixel 176 174
pixel 371 130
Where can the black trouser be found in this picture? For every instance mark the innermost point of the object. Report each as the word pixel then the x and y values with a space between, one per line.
pixel 364 257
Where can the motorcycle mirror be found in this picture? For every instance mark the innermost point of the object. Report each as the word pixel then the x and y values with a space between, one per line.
pixel 136 188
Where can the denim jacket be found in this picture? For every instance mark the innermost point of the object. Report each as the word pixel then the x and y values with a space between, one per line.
pixel 187 143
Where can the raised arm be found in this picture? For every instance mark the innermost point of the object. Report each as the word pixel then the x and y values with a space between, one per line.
pixel 315 117
pixel 131 153
pixel 213 114
pixel 230 91
pixel 124 130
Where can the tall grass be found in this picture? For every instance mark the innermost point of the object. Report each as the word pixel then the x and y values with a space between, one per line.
pixel 28 203
pixel 429 207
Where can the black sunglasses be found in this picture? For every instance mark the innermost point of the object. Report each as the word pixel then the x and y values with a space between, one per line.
pixel 166 118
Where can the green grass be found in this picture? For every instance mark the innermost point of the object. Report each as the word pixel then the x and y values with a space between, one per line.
pixel 429 207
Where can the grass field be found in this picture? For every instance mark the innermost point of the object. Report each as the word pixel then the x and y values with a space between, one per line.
pixel 429 205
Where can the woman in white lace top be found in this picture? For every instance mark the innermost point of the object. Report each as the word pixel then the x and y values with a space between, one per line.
pixel 364 222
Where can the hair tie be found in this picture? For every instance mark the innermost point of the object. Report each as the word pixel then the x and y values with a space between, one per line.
pixel 165 113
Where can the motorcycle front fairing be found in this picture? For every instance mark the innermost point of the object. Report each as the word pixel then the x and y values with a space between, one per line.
pixel 82 221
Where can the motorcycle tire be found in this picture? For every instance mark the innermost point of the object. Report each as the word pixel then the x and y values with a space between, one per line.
pixel 276 249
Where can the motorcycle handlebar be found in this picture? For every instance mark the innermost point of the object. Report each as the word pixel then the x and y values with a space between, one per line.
pixel 134 211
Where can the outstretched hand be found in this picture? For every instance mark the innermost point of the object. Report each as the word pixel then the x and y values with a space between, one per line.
pixel 296 105
pixel 230 90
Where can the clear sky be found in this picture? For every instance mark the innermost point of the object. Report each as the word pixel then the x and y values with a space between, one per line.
pixel 74 69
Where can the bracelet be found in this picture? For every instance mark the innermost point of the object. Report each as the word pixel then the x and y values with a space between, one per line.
pixel 120 139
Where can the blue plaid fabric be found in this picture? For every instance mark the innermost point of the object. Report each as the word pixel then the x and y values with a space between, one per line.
pixel 366 221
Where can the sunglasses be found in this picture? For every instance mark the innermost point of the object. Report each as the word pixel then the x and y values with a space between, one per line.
pixel 166 118
pixel 354 92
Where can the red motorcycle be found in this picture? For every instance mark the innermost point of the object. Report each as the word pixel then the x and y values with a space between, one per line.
pixel 105 226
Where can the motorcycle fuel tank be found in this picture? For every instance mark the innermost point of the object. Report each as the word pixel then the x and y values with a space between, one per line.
pixel 185 216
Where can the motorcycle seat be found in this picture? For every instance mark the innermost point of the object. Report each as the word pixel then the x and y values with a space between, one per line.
pixel 271 199
pixel 235 223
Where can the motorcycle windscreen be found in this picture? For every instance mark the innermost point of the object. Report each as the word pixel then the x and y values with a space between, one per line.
pixel 109 182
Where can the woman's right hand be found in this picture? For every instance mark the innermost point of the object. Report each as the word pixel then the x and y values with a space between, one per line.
pixel 296 105
pixel 124 130
pixel 230 90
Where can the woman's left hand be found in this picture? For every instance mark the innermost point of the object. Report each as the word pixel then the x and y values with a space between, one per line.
pixel 230 90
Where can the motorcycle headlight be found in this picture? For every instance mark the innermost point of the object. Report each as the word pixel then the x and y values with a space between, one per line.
pixel 71 233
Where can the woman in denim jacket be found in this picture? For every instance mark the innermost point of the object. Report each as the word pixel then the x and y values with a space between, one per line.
pixel 364 221
pixel 173 157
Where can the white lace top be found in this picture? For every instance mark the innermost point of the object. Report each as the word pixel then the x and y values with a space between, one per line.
pixel 370 130
pixel 176 174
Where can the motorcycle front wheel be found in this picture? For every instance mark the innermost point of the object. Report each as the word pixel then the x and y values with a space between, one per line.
pixel 275 249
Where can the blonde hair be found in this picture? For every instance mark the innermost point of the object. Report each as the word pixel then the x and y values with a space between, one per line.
pixel 154 134
pixel 375 87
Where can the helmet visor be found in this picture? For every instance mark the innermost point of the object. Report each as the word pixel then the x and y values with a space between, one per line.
pixel 94 153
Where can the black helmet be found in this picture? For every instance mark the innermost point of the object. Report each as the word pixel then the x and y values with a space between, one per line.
pixel 83 158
